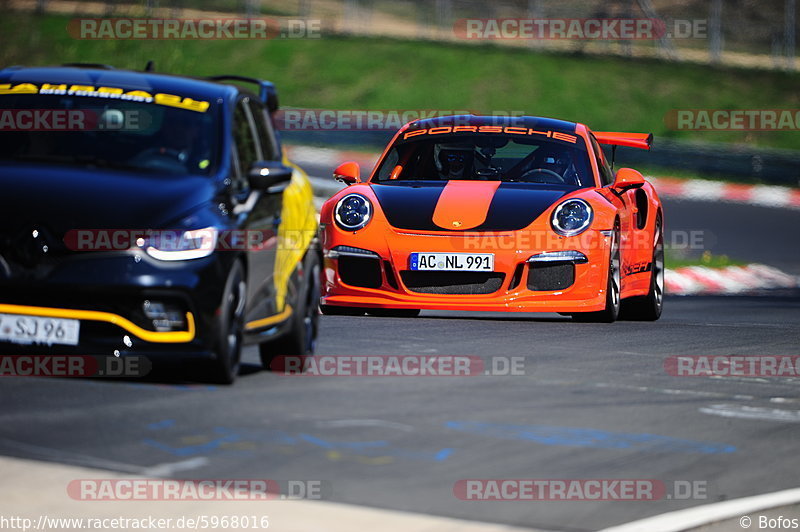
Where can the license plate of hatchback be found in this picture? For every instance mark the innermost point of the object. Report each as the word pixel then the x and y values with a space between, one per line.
pixel 470 262
pixel 35 330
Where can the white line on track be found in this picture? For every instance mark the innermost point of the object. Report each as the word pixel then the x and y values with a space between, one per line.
pixel 167 469
pixel 753 412
pixel 710 513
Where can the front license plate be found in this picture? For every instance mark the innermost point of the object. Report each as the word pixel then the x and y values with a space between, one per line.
pixel 35 330
pixel 472 262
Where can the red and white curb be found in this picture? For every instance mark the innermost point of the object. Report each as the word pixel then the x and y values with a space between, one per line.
pixel 668 187
pixel 731 280
pixel 329 157
pixel 705 190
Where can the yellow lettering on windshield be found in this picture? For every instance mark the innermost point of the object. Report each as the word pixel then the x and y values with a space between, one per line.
pixel 22 88
pixel 186 103
pixel 169 100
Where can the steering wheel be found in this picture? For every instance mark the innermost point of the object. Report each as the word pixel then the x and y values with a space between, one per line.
pixel 161 159
pixel 543 171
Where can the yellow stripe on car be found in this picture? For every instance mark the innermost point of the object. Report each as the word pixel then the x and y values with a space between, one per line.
pixel 296 231
pixel 164 337
pixel 271 320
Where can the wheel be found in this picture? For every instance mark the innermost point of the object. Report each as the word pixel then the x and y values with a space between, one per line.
pixel 611 311
pixel 301 338
pixel 230 324
pixel 336 310
pixel 394 312
pixel 649 307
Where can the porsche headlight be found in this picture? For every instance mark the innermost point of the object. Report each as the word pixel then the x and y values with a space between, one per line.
pixel 180 245
pixel 353 212
pixel 572 217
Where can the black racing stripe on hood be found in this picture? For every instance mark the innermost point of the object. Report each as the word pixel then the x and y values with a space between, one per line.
pixel 410 207
pixel 514 206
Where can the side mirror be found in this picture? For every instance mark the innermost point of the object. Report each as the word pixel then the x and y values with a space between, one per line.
pixel 271 177
pixel 348 173
pixel 628 178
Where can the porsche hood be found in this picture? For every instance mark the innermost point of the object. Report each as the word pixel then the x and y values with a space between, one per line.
pixel 466 205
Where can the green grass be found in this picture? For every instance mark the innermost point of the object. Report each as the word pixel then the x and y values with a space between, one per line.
pixel 674 260
pixel 607 93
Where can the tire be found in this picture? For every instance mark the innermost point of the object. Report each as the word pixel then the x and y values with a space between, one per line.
pixel 611 311
pixel 337 310
pixel 394 312
pixel 230 326
pixel 301 338
pixel 649 307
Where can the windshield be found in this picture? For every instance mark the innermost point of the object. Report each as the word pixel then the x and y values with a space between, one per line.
pixel 101 132
pixel 491 157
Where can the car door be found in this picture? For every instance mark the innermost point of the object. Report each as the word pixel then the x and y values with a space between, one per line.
pixel 258 212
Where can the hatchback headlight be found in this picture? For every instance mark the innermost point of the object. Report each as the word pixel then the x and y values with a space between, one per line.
pixel 180 245
pixel 353 212
pixel 572 217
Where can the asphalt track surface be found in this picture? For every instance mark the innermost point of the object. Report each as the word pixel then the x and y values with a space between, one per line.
pixel 594 402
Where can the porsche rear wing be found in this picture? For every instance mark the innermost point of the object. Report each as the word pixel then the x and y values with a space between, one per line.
pixel 631 140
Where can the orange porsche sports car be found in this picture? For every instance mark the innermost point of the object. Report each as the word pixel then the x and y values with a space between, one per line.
pixel 495 213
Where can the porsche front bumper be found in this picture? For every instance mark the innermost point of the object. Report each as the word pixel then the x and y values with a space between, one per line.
pixel 532 272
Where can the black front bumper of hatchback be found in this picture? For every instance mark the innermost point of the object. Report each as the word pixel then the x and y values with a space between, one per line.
pixel 108 294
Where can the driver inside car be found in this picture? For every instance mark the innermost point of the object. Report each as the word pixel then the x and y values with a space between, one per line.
pixel 178 150
pixel 454 162
pixel 551 166
pixel 556 162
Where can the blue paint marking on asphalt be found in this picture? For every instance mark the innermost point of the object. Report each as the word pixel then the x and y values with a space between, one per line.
pixel 444 454
pixel 192 450
pixel 582 437
pixel 341 444
pixel 377 448
pixel 227 435
pixel 164 424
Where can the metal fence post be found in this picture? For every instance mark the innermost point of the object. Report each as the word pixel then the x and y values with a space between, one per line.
pixel 790 33
pixel 715 29
pixel 534 12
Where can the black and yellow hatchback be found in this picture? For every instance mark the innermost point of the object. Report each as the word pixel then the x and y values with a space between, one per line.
pixel 150 214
